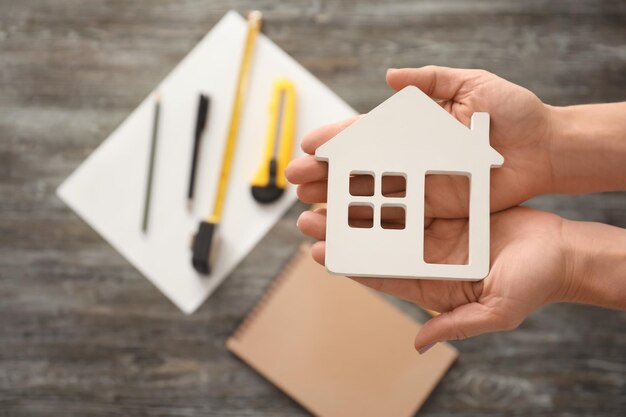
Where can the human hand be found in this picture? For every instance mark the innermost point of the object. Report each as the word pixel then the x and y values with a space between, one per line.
pixel 530 267
pixel 520 131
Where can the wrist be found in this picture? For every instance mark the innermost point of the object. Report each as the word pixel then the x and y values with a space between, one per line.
pixel 576 263
pixel 555 117
pixel 560 142
pixel 587 148
pixel 595 271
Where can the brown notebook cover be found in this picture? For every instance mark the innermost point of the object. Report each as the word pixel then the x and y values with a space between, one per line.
pixel 336 347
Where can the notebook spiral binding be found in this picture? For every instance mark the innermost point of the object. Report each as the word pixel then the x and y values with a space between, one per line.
pixel 269 293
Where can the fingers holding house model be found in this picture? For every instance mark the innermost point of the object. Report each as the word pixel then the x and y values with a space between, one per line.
pixel 419 187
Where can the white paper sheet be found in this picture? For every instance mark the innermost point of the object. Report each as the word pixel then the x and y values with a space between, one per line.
pixel 108 189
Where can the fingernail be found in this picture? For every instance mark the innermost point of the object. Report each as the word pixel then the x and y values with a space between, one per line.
pixel 426 348
pixel 391 69
pixel 304 213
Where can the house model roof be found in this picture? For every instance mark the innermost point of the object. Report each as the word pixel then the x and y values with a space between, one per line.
pixel 409 122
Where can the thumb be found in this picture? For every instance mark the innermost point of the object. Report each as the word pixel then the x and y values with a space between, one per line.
pixel 464 321
pixel 437 82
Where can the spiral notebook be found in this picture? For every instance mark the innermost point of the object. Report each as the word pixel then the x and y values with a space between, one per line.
pixel 336 347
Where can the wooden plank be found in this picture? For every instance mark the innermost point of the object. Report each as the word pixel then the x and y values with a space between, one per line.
pixel 84 334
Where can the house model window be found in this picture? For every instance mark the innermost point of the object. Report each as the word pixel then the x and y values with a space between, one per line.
pixel 376 188
pixel 392 213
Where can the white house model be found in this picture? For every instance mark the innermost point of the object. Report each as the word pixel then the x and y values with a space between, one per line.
pixel 408 136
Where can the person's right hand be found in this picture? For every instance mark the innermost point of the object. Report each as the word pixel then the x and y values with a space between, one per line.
pixel 531 265
pixel 520 131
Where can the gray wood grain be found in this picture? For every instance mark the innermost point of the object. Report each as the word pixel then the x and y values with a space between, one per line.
pixel 83 334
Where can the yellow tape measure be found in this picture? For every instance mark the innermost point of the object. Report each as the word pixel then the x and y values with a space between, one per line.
pixel 269 183
pixel 254 27
pixel 205 241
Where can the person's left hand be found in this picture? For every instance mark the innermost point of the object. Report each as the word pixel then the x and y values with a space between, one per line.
pixel 520 130
pixel 529 268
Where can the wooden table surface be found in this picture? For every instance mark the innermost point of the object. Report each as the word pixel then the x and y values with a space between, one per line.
pixel 84 334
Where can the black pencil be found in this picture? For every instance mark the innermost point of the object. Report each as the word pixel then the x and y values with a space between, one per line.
pixel 153 149
pixel 201 120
